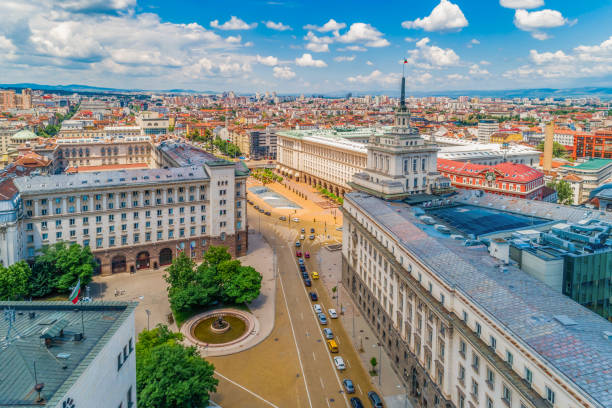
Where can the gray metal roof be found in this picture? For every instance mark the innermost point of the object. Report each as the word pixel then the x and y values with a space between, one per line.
pixel 118 178
pixel 523 305
pixel 25 346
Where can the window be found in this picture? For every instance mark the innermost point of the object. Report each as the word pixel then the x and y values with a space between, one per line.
pixel 119 362
pixel 507 395
pixel 489 403
pixel 490 377
pixel 461 372
pixel 478 329
pixel 493 343
pixel 550 395
pixel 465 316
pixel 528 375
pixel 462 348
pixel 475 389
pixel 475 362
pixel 509 358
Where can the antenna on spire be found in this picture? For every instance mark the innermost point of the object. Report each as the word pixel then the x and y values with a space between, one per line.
pixel 403 94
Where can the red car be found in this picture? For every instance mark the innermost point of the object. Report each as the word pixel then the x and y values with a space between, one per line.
pixel 306 254
pixel 298 253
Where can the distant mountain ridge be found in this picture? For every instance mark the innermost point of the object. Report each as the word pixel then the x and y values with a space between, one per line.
pixel 601 92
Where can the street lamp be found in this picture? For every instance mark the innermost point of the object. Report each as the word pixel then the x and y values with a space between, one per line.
pixel 379 361
pixel 148 312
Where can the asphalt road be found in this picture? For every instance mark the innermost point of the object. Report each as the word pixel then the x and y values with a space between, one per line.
pixel 322 380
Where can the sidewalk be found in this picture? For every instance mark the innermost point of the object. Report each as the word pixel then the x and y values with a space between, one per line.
pixel 261 257
pixel 389 384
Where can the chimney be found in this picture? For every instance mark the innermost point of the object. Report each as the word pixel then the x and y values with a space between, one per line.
pixel 548 146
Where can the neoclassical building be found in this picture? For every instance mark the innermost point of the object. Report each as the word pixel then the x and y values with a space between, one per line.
pixel 131 219
pixel 462 328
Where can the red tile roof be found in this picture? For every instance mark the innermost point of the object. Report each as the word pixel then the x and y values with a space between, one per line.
pixel 509 171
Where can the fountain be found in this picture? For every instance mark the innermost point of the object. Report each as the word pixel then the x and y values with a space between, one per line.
pixel 220 325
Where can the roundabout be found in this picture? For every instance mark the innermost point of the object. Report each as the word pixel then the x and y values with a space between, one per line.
pixel 221 331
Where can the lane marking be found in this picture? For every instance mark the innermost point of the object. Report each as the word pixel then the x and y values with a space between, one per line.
pixel 338 340
pixel 245 389
pixel 347 363
pixel 359 388
pixel 322 384
pixel 331 362
pixel 327 400
pixel 302 315
pixel 313 356
pixel 295 340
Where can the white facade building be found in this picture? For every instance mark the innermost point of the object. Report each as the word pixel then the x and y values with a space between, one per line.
pixel 485 129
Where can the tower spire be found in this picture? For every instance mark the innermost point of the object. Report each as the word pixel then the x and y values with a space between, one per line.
pixel 403 95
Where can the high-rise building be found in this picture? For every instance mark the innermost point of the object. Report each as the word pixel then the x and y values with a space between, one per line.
pixel 486 128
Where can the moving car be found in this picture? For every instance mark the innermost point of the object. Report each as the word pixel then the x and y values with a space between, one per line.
pixel 313 296
pixel 305 275
pixel 297 243
pixel 332 346
pixel 268 213
pixel 298 253
pixel 348 386
pixel 302 268
pixel 256 207
pixel 261 210
pixel 328 333
pixel 301 236
pixel 317 308
pixel 375 399
pixel 296 220
pixel 303 230
pixel 311 237
pixel 307 254
pixel 282 218
pixel 312 230
pixel 322 318
pixel 339 362
pixel 356 403
pixel 307 283
pixel 315 275
pixel 333 314
pixel 301 261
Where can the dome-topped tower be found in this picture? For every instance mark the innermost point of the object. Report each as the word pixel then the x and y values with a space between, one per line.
pixel 400 163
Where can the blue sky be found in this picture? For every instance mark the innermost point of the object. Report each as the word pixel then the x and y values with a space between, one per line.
pixel 307 46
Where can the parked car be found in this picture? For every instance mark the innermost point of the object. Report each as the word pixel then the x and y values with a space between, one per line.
pixel 303 230
pixel 317 308
pixel 333 314
pixel 307 254
pixel 348 386
pixel 375 399
pixel 322 318
pixel 297 243
pixel 256 207
pixel 329 334
pixel 261 210
pixel 305 275
pixel 307 283
pixel 311 237
pixel 282 218
pixel 301 260
pixel 339 362
pixel 298 253
pixel 356 403
pixel 312 230
pixel 313 296
pixel 302 268
pixel 268 213
pixel 301 236
pixel 296 220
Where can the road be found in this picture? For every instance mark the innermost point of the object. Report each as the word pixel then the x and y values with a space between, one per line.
pixel 322 380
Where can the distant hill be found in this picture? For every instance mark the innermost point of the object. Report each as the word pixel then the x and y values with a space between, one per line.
pixel 601 92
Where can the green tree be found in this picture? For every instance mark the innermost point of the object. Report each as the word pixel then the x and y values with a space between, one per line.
pixel 43 279
pixel 180 273
pixel 558 149
pixel 59 267
pixel 169 374
pixel 241 284
pixel 373 363
pixel 216 254
pixel 15 281
pixel 565 195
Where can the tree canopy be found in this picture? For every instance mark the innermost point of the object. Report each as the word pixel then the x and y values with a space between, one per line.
pixel 217 279
pixel 170 375
pixel 15 281
pixel 565 195
pixel 558 149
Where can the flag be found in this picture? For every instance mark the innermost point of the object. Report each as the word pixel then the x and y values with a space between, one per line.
pixel 405 61
pixel 74 296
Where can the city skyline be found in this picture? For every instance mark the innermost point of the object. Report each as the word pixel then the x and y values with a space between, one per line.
pixel 294 47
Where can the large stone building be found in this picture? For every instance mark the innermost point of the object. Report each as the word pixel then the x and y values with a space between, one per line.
pixel 130 219
pixel 10 100
pixel 462 328
pixel 58 355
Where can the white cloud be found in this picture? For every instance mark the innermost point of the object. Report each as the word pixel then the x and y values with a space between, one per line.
pixel 586 61
pixel 430 56
pixel 456 77
pixel 314 47
pixel 283 73
pixel 484 62
pixel 234 23
pixel 332 25
pixel 269 60
pixel 306 60
pixel 446 16
pixel 365 34
pixel 6 45
pixel 317 44
pixel 234 39
pixel 521 4
pixel 342 58
pixel 411 39
pixel 475 41
pixel 477 71
pixel 548 57
pixel 358 48
pixel 376 77
pixel 277 26
pixel 370 63
pixel 534 21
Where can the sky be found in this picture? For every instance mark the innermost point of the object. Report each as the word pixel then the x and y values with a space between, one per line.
pixel 307 46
